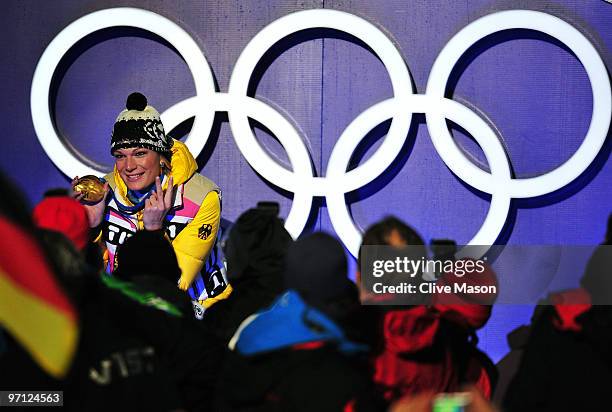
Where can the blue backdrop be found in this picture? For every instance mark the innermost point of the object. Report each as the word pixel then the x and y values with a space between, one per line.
pixel 530 86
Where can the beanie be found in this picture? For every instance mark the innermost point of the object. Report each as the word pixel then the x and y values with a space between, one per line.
pixel 139 125
pixel 65 215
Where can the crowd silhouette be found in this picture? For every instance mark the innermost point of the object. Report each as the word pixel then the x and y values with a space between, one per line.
pixel 291 336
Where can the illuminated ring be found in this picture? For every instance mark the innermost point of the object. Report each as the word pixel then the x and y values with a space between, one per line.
pixel 46 132
pixel 449 109
pixel 600 86
pixel 302 176
pixel 302 184
pixel 337 181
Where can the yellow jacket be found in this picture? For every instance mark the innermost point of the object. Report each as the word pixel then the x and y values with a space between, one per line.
pixel 192 225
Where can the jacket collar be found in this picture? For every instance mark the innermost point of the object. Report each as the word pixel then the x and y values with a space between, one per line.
pixel 288 322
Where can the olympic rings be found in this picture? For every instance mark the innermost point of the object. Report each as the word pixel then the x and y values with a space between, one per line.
pixel 499 182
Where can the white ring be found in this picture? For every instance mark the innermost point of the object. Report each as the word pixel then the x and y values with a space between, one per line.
pixel 300 181
pixel 600 86
pixel 337 20
pixel 63 158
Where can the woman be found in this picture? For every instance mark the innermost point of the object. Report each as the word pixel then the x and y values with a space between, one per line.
pixel 155 186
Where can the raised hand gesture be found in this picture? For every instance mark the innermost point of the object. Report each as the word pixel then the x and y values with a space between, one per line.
pixel 158 205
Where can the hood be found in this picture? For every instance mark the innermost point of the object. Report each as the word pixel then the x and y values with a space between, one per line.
pixel 255 251
pixel 183 166
pixel 287 323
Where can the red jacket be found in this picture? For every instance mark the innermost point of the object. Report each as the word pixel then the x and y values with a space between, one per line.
pixel 428 348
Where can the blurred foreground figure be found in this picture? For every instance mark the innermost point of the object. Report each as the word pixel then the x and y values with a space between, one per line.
pixel 38 322
pixel 128 356
pixel 255 252
pixel 567 361
pixel 295 355
pixel 137 351
pixel 115 364
pixel 156 275
pixel 429 347
pixel 61 213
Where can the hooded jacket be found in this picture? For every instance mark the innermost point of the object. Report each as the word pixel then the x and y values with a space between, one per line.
pixel 292 357
pixel 567 360
pixel 254 250
pixel 192 225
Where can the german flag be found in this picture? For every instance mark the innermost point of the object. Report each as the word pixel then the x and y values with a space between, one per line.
pixel 33 308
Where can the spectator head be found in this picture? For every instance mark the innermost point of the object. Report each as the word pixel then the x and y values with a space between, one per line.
pixel 63 214
pixel 390 231
pixel 256 248
pixel 147 253
pixel 317 270
pixel 596 279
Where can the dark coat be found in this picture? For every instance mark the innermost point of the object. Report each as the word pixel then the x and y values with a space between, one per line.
pixel 567 363
pixel 187 357
pixel 130 357
pixel 294 358
pixel 255 252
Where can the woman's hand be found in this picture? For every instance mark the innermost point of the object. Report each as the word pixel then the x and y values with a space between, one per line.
pixel 158 205
pixel 95 211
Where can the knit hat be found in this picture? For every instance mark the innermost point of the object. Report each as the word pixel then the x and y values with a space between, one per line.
pixel 139 125
pixel 65 215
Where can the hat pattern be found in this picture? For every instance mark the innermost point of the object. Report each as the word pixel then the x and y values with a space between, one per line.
pixel 139 125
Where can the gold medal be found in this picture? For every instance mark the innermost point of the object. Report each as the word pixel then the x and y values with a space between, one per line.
pixel 90 187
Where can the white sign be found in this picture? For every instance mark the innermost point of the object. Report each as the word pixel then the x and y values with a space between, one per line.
pixel 499 182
